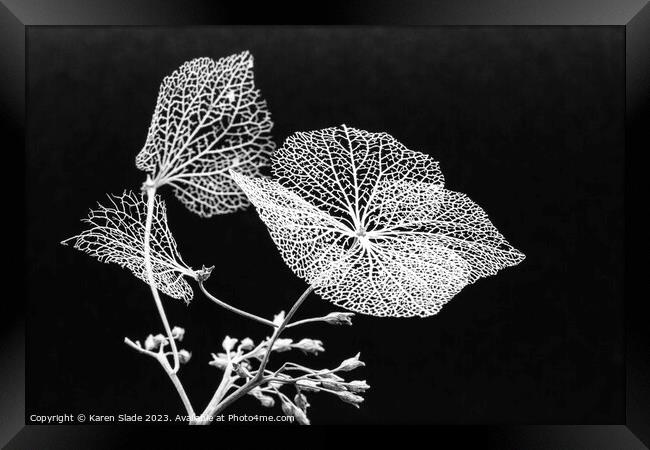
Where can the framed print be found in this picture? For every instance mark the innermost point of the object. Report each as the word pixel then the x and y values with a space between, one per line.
pixel 389 215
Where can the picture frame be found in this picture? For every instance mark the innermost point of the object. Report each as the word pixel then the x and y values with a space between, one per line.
pixel 629 17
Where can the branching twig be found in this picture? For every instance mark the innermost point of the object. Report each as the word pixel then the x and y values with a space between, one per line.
pixel 162 359
pixel 215 406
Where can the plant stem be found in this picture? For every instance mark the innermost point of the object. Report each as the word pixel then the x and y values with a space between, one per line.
pixel 179 388
pixel 281 328
pixel 160 357
pixel 216 406
pixel 151 197
pixel 233 309
pixel 303 321
pixel 225 384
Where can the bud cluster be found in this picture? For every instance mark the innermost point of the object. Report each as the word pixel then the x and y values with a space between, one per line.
pixel 158 343
pixel 241 360
pixel 309 382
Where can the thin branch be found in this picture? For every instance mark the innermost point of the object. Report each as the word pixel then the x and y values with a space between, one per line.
pixel 233 309
pixel 162 359
pixel 138 347
pixel 151 197
pixel 215 408
pixel 181 391
pixel 303 321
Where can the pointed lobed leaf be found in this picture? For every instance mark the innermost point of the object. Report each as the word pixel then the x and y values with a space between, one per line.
pixel 116 235
pixel 209 118
pixel 369 223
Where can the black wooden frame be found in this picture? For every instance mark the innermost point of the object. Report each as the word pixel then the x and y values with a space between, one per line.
pixel 17 16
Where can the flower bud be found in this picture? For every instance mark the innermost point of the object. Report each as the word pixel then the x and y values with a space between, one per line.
pixel 204 273
pixel 159 340
pixel 332 385
pixel 349 397
pixel 301 401
pixel 267 401
pixel 228 343
pixel 184 356
pixel 220 361
pixel 178 333
pixel 247 344
pixel 308 385
pixel 150 343
pixel 300 416
pixel 339 318
pixel 278 318
pixel 310 346
pixel 287 408
pixel 351 363
pixel 358 386
pixel 282 345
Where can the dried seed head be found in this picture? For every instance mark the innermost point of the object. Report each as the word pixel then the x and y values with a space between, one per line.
pixel 351 363
pixel 358 386
pixel 310 346
pixel 339 318
pixel 350 398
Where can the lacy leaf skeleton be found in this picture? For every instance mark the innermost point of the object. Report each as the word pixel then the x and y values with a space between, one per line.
pixel 366 222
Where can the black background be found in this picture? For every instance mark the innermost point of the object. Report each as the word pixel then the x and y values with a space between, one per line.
pixel 526 121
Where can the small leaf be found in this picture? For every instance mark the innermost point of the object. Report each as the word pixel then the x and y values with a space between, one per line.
pixel 116 235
